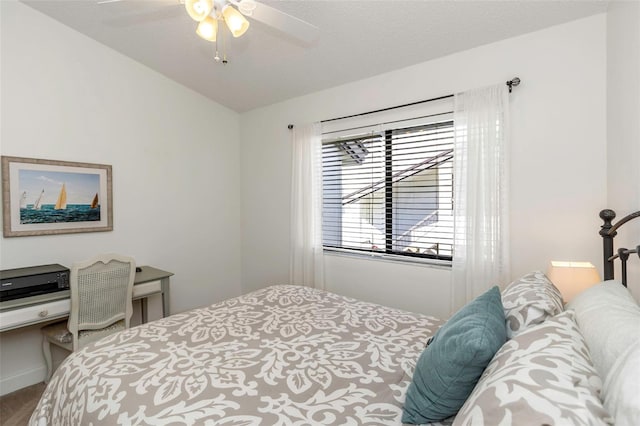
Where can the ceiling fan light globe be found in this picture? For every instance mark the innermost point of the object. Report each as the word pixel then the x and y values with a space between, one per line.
pixel 236 23
pixel 198 10
pixel 208 29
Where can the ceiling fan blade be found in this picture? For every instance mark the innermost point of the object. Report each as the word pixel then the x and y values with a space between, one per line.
pixel 287 24
pixel 129 13
pixel 246 7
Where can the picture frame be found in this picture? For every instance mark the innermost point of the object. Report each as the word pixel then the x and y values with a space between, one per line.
pixel 48 197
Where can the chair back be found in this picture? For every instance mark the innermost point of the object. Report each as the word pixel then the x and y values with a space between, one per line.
pixel 101 291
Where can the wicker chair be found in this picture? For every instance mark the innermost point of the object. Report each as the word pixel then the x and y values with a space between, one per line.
pixel 101 290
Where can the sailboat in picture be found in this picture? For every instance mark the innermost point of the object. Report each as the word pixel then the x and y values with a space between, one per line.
pixel 23 200
pixel 94 202
pixel 61 204
pixel 38 204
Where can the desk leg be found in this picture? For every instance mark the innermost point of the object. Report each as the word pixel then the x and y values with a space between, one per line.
pixel 165 297
pixel 144 310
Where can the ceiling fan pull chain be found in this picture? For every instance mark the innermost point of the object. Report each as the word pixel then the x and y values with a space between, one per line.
pixel 224 48
pixel 217 57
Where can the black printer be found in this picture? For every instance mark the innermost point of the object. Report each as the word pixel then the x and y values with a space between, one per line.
pixel 33 280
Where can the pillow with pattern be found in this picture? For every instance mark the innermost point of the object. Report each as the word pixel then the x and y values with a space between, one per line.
pixel 528 301
pixel 542 376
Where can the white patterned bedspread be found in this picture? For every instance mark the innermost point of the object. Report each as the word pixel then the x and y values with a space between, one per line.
pixel 284 355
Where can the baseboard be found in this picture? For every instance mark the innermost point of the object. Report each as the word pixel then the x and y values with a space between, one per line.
pixel 22 380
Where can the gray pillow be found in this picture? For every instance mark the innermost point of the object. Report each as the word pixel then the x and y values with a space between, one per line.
pixel 544 375
pixel 528 301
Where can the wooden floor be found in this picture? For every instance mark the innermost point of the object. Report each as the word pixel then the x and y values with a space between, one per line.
pixel 16 407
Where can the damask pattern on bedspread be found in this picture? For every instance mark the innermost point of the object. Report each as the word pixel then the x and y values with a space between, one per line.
pixel 284 355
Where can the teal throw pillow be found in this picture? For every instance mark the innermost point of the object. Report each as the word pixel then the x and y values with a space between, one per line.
pixel 449 368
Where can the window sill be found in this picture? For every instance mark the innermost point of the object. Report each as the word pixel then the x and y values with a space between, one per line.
pixel 382 257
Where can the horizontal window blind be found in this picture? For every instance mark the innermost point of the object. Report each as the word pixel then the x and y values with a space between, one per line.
pixel 390 191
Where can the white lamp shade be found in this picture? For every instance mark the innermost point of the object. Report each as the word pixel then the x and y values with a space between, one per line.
pixel 208 29
pixel 572 278
pixel 198 9
pixel 237 23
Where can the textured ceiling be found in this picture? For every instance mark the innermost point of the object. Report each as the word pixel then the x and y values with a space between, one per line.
pixel 358 39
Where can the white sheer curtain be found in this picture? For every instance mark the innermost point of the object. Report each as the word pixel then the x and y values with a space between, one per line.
pixel 481 177
pixel 307 266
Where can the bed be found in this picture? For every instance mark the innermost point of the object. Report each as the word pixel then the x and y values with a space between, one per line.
pixel 290 355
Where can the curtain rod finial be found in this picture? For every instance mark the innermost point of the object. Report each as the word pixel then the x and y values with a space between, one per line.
pixel 513 82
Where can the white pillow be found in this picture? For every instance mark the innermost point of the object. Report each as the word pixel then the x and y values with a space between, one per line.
pixel 609 319
pixel 622 388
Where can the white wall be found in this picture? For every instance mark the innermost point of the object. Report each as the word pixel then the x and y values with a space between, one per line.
pixel 67 97
pixel 623 131
pixel 175 158
pixel 558 182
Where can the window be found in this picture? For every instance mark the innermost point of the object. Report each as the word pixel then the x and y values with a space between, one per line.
pixel 390 191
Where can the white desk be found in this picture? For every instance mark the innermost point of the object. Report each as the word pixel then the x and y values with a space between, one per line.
pixel 46 307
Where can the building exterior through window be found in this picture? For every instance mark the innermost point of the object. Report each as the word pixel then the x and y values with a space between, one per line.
pixel 390 191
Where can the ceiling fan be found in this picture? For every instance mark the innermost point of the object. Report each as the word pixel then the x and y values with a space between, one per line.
pixel 216 17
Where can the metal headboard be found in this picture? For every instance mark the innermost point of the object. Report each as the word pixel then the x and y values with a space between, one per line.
pixel 608 231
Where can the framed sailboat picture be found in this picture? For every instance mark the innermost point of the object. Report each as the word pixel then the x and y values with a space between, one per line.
pixel 44 197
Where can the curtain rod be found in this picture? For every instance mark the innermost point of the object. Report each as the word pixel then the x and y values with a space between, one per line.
pixel 388 109
pixel 510 83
